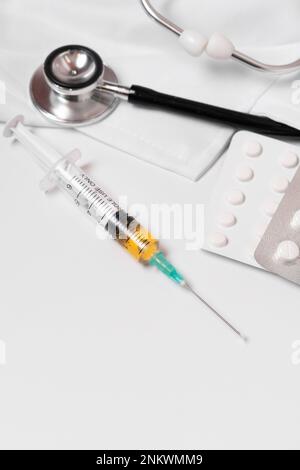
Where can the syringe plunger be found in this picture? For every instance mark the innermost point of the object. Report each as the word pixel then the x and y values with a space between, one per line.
pixel 45 155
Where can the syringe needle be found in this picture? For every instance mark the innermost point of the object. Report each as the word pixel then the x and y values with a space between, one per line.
pixel 244 338
pixel 161 263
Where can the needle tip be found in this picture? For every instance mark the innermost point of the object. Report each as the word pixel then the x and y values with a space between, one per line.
pixel 242 337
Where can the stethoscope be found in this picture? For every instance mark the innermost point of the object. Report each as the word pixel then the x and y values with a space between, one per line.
pixel 74 87
pixel 217 46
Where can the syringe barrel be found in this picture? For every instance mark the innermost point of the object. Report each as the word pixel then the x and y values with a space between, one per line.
pixel 91 199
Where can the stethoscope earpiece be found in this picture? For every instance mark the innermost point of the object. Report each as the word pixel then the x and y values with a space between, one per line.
pixel 217 46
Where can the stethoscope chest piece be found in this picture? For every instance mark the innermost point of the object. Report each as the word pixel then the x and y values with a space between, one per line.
pixel 74 88
pixel 65 89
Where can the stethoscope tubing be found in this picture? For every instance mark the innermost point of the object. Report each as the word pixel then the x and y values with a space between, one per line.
pixel 236 119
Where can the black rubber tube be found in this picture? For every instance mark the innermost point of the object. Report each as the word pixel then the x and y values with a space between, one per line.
pixel 236 119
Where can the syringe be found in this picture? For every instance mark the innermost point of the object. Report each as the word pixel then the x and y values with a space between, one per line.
pixel 62 172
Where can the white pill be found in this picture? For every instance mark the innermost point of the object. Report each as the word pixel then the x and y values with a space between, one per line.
pixel 296 220
pixel 227 220
pixel 289 160
pixel 245 173
pixel 219 47
pixel 270 207
pixel 253 149
pixel 236 197
pixel 193 42
pixel 219 240
pixel 280 184
pixel 287 252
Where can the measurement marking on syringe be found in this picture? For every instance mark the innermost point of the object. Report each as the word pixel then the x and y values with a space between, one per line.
pixel 100 203
pixel 75 178
pixel 97 200
pixel 87 192
pixel 109 213
pixel 107 210
pixel 103 205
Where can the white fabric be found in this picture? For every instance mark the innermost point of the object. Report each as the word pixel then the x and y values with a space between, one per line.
pixel 143 53
pixel 282 101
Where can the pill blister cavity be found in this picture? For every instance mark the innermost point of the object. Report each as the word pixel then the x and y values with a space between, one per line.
pixel 244 174
pixel 218 240
pixel 289 160
pixel 287 252
pixel 270 208
pixel 227 219
pixel 260 230
pixel 280 184
pixel 296 220
pixel 253 149
pixel 236 197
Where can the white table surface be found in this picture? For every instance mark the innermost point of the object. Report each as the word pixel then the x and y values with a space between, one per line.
pixel 104 353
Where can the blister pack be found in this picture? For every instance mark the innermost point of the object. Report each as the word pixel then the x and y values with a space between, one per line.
pixel 279 249
pixel 255 177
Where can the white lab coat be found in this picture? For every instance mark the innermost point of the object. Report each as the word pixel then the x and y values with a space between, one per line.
pixel 143 53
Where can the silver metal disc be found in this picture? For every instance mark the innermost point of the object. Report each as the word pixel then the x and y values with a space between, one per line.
pixel 72 111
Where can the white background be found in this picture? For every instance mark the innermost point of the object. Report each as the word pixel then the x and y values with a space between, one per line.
pixel 104 353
